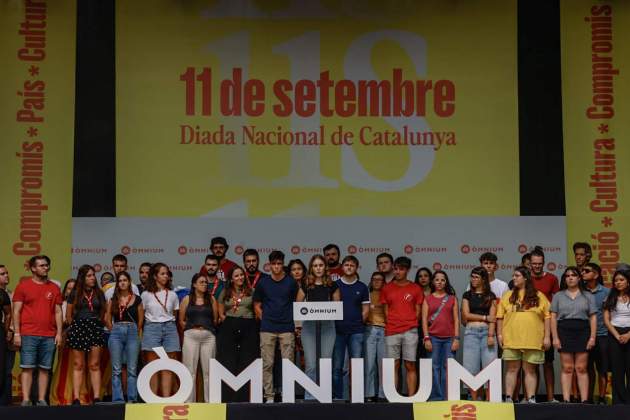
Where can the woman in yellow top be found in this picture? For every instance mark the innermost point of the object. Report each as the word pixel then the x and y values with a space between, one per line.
pixel 523 328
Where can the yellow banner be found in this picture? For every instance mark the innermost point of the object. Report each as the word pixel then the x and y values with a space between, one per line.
pixel 37 47
pixel 196 411
pixel 595 83
pixel 463 410
pixel 316 108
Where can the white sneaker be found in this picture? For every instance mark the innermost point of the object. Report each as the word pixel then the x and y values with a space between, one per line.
pixel 269 401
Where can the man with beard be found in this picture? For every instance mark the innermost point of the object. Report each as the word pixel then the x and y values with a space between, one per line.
pixel 218 248
pixel 143 275
pixel 251 260
pixel 332 254
pixel 210 269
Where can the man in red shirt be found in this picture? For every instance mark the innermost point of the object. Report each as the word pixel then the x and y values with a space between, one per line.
pixel 219 247
pixel 547 284
pixel 37 325
pixel 332 255
pixel 402 300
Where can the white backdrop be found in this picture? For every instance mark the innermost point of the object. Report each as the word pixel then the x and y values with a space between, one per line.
pixel 451 243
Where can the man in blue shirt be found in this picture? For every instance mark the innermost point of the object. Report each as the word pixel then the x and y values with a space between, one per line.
pixel 598 355
pixel 356 305
pixel 273 304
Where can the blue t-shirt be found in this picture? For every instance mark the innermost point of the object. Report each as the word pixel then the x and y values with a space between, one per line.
pixel 600 293
pixel 353 297
pixel 277 299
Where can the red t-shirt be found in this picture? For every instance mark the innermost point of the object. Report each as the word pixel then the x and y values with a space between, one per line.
pixel 336 273
pixel 401 304
pixel 226 267
pixel 547 284
pixel 38 307
pixel 443 326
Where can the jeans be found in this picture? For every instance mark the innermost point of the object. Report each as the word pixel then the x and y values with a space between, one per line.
pixel 199 343
pixel 124 340
pixel 373 356
pixel 310 351
pixel 354 344
pixel 477 354
pixel 441 351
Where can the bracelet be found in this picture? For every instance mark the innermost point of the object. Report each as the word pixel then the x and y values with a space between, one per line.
pixel 490 335
pixel 426 338
pixel 14 333
pixel 456 338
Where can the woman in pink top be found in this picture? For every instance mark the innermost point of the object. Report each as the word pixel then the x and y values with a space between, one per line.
pixel 440 325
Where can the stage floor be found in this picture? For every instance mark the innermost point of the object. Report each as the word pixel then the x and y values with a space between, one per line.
pixel 315 411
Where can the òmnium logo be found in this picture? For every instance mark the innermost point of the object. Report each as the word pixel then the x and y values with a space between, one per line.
pixel 295 249
pixel 303 311
pixel 182 250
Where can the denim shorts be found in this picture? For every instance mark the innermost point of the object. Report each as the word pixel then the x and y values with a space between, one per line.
pixel 37 351
pixel 160 334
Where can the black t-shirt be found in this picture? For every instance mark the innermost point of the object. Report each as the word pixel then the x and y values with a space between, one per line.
pixel 476 303
pixel 129 314
pixel 319 292
pixel 5 300
pixel 82 309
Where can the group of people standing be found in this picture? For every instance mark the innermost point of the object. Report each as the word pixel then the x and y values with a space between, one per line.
pixel 237 314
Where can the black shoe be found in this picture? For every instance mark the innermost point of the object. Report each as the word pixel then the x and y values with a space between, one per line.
pixel 96 401
pixel 76 402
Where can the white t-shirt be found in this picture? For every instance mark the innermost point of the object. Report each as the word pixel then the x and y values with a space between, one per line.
pixel 620 317
pixel 499 288
pixel 109 293
pixel 154 309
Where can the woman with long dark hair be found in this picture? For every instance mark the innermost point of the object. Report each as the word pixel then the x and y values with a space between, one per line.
pixel 573 327
pixel 617 320
pixel 318 287
pixel 423 279
pixel 440 325
pixel 124 317
pixel 297 270
pixel 523 330
pixel 160 312
pixel 198 317
pixel 85 336
pixel 479 311
pixel 238 340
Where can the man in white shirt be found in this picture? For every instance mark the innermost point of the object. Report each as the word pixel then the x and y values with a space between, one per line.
pixel 488 260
